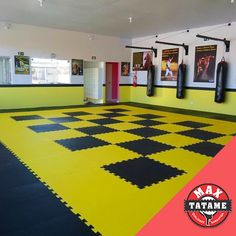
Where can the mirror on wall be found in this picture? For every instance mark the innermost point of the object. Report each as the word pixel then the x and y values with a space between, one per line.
pixel 5 70
pixel 50 71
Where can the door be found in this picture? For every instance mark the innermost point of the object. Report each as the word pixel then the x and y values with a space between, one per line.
pixel 112 82
pixel 93 82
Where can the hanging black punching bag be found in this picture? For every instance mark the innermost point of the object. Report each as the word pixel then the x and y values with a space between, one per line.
pixel 150 81
pixel 221 76
pixel 181 78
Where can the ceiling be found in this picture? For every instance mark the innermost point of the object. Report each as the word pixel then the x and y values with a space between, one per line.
pixel 110 17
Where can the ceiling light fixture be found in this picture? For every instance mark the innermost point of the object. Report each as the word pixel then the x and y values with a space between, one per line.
pixel 91 37
pixel 130 19
pixel 6 26
pixel 41 2
pixel 232 1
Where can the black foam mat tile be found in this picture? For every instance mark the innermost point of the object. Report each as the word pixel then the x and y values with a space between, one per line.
pixel 149 116
pixel 200 134
pixel 193 124
pixel 22 118
pixel 75 144
pixel 145 146
pixel 205 148
pixel 105 121
pixel 112 114
pixel 96 130
pixel 77 113
pixel 148 122
pixel 143 171
pixel 147 132
pixel 47 128
pixel 64 119
pixel 116 110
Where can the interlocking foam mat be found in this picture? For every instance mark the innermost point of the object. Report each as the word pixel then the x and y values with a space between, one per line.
pixel 98 170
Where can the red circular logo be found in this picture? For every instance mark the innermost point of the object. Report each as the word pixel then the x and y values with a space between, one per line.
pixel 208 205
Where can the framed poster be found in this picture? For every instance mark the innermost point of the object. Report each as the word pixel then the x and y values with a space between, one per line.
pixel 147 60
pixel 205 63
pixel 22 65
pixel 137 61
pixel 169 64
pixel 125 68
pixel 142 60
pixel 77 67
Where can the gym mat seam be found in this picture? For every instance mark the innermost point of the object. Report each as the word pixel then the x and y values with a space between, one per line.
pixel 52 191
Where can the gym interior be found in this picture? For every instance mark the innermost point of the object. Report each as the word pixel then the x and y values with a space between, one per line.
pixel 108 109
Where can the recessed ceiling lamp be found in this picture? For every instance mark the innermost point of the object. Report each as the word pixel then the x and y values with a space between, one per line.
pixel 130 19
pixel 232 1
pixel 91 37
pixel 6 25
pixel 41 2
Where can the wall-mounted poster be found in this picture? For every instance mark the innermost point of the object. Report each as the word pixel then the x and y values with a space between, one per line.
pixel 137 61
pixel 169 64
pixel 22 65
pixel 125 68
pixel 77 66
pixel 142 60
pixel 147 60
pixel 205 62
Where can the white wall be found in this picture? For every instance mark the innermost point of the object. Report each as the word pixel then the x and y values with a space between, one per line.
pixel 219 31
pixel 40 42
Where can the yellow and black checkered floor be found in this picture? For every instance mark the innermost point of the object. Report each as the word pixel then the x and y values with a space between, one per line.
pixel 98 170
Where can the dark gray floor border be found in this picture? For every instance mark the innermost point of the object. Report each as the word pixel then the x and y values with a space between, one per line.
pixel 142 105
pixel 49 108
pixel 204 114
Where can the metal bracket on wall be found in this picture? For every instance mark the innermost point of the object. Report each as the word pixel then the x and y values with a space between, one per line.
pixel 186 47
pixel 144 48
pixel 225 41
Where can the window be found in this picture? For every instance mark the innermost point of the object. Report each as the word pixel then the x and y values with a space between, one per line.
pixel 5 70
pixel 50 71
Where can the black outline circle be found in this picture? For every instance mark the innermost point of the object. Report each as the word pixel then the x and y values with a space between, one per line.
pixel 213 225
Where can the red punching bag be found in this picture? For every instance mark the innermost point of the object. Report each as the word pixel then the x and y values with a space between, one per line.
pixel 222 71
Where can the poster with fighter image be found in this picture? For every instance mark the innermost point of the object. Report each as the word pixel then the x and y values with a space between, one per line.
pixel 205 63
pixel 169 65
pixel 142 60
pixel 147 60
pixel 125 68
pixel 22 65
pixel 77 67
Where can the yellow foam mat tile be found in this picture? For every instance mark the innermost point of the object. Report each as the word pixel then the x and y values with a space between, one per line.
pixel 124 126
pixel 61 134
pixel 227 128
pixel 182 159
pixel 128 118
pixel 79 124
pixel 27 123
pixel 222 140
pixel 171 127
pixel 54 114
pixel 175 140
pixel 170 119
pixel 117 137
pixel 91 117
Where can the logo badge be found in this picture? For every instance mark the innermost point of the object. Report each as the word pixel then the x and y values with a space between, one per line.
pixel 208 205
